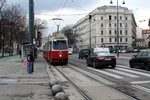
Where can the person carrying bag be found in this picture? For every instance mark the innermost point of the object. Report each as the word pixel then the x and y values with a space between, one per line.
pixel 30 60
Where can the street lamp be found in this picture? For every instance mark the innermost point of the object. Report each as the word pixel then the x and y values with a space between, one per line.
pixel 57 23
pixel 117 27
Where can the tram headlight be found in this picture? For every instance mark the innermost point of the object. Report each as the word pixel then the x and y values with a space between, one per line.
pixel 60 55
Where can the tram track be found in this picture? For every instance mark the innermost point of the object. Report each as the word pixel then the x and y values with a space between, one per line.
pixel 92 85
pixel 75 86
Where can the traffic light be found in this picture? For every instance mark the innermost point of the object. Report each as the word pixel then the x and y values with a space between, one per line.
pixel 110 18
pixel 90 18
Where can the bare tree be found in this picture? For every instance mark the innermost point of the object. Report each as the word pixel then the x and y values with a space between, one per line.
pixel 2 20
pixel 40 27
pixel 72 36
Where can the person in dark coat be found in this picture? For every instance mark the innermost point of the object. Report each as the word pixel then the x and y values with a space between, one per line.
pixel 30 59
pixel 20 53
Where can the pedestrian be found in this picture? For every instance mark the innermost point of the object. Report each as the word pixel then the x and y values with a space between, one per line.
pixel 30 60
pixel 20 53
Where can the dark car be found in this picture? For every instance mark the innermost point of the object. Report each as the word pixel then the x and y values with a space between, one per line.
pixel 142 59
pixel 101 59
pixel 84 53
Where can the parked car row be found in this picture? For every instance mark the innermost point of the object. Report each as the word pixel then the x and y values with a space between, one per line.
pixel 126 51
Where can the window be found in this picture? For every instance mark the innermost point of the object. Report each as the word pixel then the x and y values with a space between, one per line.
pixel 101 18
pixel 120 24
pixel 115 39
pixel 102 40
pixel 126 40
pixel 115 25
pixel 101 25
pixel 115 17
pixel 126 32
pixel 59 45
pixel 120 32
pixel 120 39
pixel 109 24
pixel 115 32
pixel 101 32
pixel 126 18
pixel 109 32
pixel 109 39
pixel 120 17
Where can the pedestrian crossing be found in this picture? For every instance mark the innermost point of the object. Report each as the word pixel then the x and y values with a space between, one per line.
pixel 121 72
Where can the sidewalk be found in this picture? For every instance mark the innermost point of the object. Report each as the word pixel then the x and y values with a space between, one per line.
pixel 14 76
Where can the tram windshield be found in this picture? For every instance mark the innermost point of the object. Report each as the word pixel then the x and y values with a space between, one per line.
pixel 60 45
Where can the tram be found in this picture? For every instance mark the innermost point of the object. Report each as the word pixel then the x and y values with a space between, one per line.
pixel 55 50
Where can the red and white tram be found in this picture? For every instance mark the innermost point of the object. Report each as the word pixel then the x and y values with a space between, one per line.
pixel 55 49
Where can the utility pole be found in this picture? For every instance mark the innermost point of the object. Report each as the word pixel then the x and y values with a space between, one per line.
pixel 31 22
pixel 90 19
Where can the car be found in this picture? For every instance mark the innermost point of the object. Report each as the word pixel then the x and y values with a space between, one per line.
pixel 83 53
pixel 141 59
pixel 101 59
pixel 70 51
pixel 101 49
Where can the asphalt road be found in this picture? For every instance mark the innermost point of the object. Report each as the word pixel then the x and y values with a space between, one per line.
pixel 135 82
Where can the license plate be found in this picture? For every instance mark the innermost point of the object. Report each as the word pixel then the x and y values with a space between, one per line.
pixel 108 59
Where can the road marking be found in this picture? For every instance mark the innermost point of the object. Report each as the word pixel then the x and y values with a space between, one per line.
pixel 142 88
pixel 124 73
pixel 127 66
pixel 104 72
pixel 140 82
pixel 38 83
pixel 131 71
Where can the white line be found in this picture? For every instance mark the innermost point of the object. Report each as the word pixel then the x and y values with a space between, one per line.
pixel 109 74
pixel 124 66
pixel 140 82
pixel 142 88
pixel 131 71
pixel 124 73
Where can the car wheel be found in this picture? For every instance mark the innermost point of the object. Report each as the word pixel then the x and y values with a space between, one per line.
pixel 131 65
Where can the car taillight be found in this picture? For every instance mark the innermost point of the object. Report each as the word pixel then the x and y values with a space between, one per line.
pixel 100 58
pixel 113 57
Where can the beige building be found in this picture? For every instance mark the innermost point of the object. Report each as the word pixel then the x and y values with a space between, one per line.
pixel 146 37
pixel 103 28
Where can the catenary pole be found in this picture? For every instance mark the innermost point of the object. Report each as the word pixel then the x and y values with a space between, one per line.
pixel 31 21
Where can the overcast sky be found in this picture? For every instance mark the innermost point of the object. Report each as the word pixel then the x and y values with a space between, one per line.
pixel 49 9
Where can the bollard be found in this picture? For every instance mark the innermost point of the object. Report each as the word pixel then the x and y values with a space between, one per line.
pixel 56 88
pixel 52 82
pixel 60 96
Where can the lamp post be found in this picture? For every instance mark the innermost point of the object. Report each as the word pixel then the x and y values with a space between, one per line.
pixel 117 27
pixel 58 24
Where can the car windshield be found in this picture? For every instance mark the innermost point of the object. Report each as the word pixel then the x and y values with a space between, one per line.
pixel 103 54
pixel 59 45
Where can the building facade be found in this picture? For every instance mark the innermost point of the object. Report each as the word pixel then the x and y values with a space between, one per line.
pixel 102 30
pixel 146 37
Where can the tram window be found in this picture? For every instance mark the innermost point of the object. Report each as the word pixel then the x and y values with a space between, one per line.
pixel 59 45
